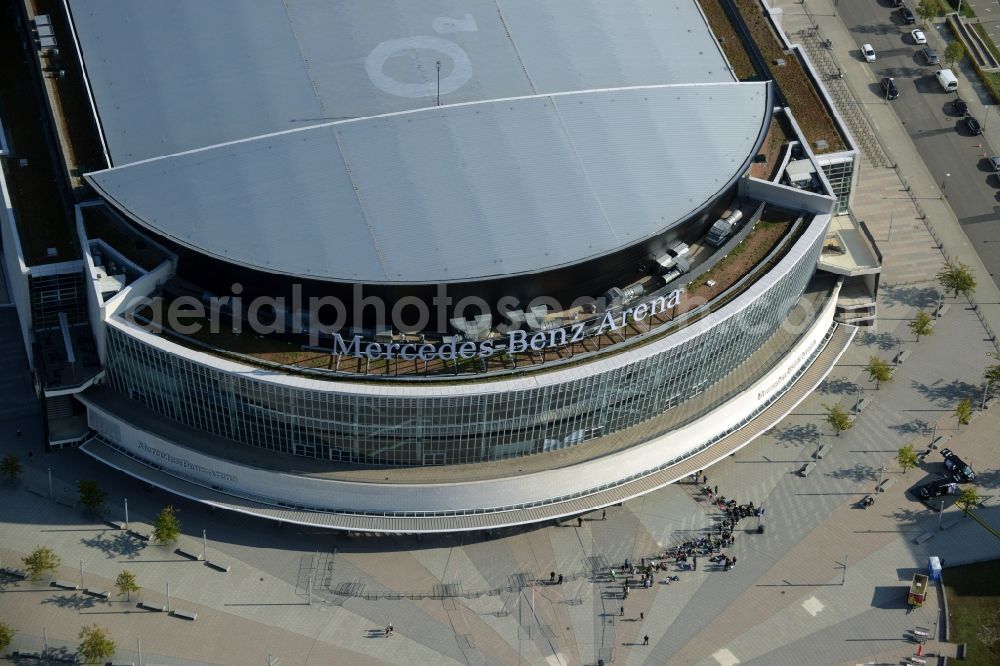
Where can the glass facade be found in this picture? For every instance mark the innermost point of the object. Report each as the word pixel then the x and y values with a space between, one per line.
pixel 840 174
pixel 332 424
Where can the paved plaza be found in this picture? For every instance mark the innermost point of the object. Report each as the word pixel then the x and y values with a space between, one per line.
pixel 825 583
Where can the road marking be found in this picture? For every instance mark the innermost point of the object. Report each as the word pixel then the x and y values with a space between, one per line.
pixel 813 606
pixel 726 658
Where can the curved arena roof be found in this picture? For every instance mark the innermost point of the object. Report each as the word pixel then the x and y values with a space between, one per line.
pixel 305 138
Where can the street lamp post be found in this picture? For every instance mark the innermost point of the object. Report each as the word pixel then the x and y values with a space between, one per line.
pixel 438 63
pixel 844 579
pixel 878 488
pixel 986 391
pixel 940 515
pixel 944 184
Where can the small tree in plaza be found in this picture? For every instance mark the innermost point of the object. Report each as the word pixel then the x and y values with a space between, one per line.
pixel 958 277
pixel 39 562
pixel 167 527
pixel 922 324
pixel 963 411
pixel 838 419
pixel 968 499
pixel 954 52
pixel 906 457
pixel 11 467
pixel 126 584
pixel 928 9
pixel 92 496
pixel 6 636
pixel 879 371
pixel 96 646
pixel 992 377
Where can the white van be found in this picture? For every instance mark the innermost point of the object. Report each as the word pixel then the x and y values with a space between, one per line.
pixel 947 80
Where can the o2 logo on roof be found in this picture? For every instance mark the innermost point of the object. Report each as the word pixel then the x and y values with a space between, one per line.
pixel 461 70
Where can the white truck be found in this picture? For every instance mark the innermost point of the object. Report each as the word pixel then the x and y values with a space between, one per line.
pixel 723 229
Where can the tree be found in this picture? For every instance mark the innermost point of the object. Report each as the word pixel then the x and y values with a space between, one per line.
pixel 126 584
pixel 968 499
pixel 928 9
pixel 6 636
pixel 957 277
pixel 92 496
pixel 838 419
pixel 992 376
pixel 906 457
pixel 878 371
pixel 167 527
pixel 95 645
pixel 40 561
pixel 921 324
pixel 963 411
pixel 954 52
pixel 11 467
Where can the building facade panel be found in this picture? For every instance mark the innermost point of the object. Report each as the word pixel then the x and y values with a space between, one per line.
pixel 438 429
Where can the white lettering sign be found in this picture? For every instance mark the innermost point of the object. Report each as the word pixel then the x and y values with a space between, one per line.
pixel 518 342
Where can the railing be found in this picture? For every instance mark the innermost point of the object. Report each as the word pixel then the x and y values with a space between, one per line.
pixel 641 337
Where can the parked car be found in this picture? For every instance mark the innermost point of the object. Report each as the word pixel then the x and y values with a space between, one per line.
pixel 906 16
pixel 937 488
pixel 889 89
pixel 973 125
pixel 959 106
pixel 957 467
pixel 868 51
pixel 931 56
pixel 995 163
pixel 918 36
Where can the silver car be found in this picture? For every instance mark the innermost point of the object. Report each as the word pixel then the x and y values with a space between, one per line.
pixel 931 56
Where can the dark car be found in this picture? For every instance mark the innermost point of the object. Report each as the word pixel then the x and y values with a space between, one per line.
pixel 907 16
pixel 938 488
pixel 889 88
pixel 957 467
pixel 959 106
pixel 931 56
pixel 973 125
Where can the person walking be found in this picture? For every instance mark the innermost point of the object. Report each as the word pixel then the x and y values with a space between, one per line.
pixel 717 490
pixel 645 639
pixel 621 612
pixel 604 514
pixel 560 579
pixel 642 616
pixel 694 563
pixel 579 521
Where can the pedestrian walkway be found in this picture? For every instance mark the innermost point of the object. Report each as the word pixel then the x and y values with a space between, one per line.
pixel 926 200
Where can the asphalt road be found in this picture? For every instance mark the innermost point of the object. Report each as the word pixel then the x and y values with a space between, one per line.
pixel 946 146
